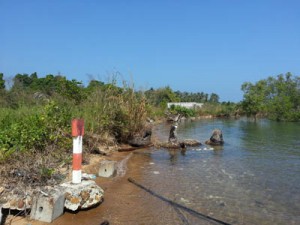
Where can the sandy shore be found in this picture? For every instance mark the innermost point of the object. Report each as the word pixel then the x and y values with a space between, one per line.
pixel 123 202
pixel 119 196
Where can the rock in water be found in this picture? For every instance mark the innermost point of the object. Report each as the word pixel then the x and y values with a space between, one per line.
pixel 180 144
pixel 216 138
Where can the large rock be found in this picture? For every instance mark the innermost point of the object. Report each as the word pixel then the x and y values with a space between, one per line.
pixel 143 139
pixel 140 141
pixel 216 138
pixel 180 144
pixel 82 196
pixel 191 142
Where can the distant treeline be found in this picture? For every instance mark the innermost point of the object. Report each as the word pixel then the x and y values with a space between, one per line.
pixel 276 97
pixel 51 85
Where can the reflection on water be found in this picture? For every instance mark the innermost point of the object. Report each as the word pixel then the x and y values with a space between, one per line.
pixel 252 179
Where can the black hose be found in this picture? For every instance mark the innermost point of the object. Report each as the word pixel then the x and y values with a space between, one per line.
pixel 195 213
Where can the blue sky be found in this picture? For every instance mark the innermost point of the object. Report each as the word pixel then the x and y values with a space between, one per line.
pixel 211 46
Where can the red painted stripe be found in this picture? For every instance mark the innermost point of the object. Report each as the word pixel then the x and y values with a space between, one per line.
pixel 77 127
pixel 77 159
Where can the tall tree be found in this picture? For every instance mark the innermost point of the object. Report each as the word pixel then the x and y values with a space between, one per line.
pixel 214 98
pixel 254 98
pixel 284 104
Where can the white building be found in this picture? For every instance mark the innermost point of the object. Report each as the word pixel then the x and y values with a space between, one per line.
pixel 189 105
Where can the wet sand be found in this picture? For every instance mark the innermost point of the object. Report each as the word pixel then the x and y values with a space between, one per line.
pixel 123 202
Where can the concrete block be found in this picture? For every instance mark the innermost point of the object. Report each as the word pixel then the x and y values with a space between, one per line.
pixel 107 168
pixel 48 206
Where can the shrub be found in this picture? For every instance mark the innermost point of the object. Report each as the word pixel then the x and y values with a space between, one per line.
pixel 34 131
pixel 176 109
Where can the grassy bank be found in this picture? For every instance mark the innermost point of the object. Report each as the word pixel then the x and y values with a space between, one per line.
pixel 39 131
pixel 36 114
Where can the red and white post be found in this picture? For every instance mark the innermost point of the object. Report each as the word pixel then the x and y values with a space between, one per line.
pixel 77 134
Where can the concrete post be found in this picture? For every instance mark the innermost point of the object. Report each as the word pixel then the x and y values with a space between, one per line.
pixel 77 134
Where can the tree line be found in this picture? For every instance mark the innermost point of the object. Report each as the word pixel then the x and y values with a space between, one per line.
pixel 277 98
pixel 74 90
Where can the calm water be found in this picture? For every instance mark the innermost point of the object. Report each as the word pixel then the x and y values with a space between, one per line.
pixel 253 179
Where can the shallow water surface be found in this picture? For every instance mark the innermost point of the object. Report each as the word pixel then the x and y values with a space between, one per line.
pixel 252 179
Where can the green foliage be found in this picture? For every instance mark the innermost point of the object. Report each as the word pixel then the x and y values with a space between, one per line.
pixel 200 97
pixel 49 85
pixel 182 111
pixel 46 172
pixel 94 85
pixel 120 112
pixel 34 131
pixel 254 98
pixel 214 98
pixel 161 96
pixel 226 109
pixel 278 97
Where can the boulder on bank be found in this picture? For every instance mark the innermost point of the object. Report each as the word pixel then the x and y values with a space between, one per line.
pixel 142 139
pixel 216 138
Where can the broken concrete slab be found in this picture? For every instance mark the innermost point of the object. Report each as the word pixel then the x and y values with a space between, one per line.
pixel 107 168
pixel 47 207
pixel 18 201
pixel 82 196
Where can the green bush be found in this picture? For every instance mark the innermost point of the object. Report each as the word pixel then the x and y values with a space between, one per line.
pixel 176 109
pixel 34 131
pixel 111 110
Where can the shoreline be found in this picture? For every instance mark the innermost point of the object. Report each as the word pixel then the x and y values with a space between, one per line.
pixel 114 184
pixel 119 194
